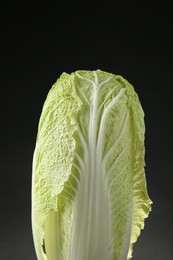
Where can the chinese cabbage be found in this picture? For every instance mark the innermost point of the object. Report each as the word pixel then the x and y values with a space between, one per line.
pixel 89 194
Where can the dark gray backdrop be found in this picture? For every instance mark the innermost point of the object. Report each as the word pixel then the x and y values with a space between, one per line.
pixel 37 45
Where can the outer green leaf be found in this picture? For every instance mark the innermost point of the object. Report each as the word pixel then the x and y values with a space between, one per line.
pixel 89 196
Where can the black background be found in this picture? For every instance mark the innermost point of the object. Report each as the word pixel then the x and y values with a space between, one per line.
pixel 38 43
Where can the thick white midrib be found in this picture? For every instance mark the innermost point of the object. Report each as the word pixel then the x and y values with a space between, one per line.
pixel 91 238
pixel 92 165
pixel 98 236
pixel 83 236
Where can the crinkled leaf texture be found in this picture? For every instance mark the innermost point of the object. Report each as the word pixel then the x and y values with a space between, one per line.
pixel 89 194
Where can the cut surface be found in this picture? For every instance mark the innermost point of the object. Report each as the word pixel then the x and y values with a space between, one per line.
pixel 89 189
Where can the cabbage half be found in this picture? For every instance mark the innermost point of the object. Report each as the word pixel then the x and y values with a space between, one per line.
pixel 89 194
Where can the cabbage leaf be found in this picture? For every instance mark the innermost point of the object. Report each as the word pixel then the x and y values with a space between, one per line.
pixel 89 193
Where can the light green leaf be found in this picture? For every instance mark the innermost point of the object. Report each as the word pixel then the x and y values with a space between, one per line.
pixel 89 194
